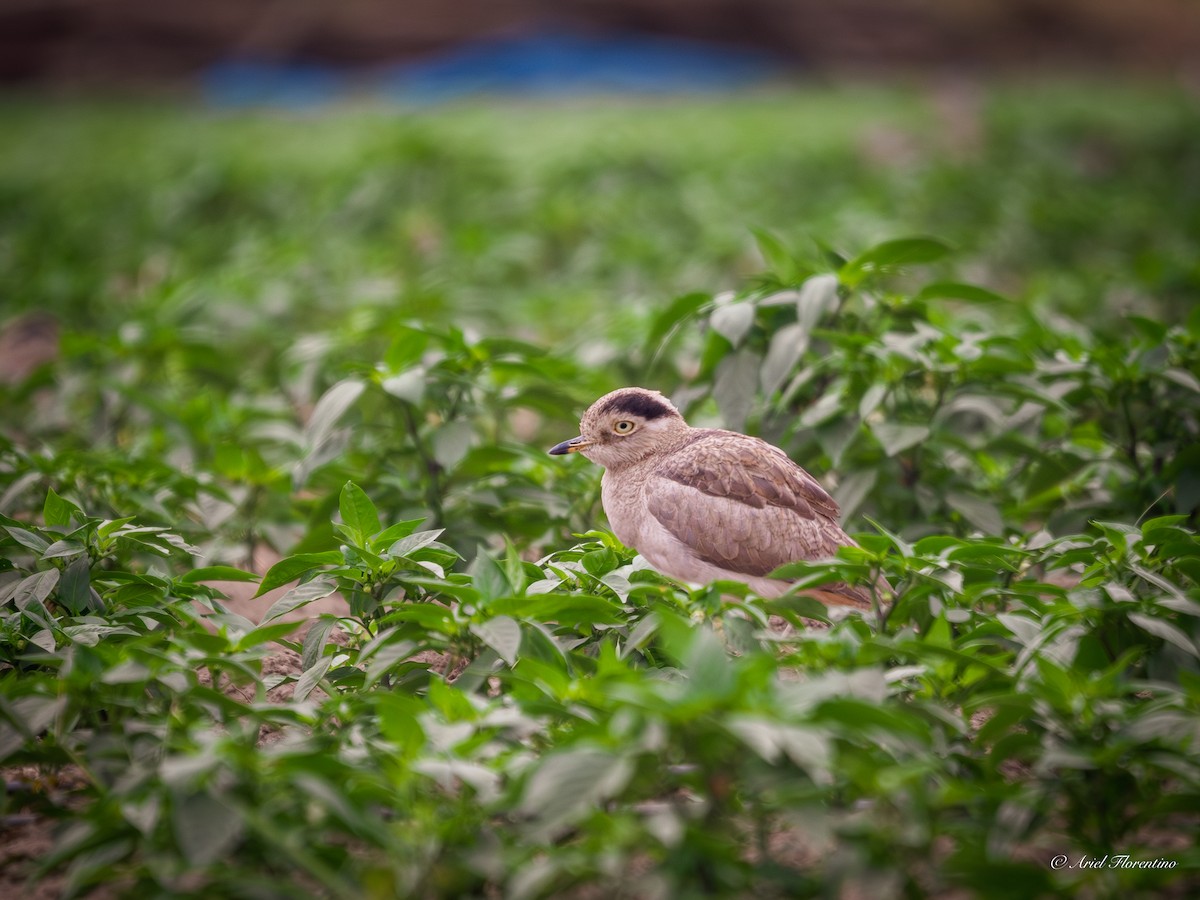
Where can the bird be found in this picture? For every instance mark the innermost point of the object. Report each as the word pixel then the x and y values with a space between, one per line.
pixel 702 504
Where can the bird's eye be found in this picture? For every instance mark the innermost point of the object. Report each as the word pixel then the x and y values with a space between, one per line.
pixel 623 427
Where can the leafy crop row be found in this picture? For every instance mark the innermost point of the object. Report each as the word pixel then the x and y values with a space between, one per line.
pixel 453 681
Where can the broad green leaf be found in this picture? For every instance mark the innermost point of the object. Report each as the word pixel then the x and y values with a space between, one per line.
pixel 414 542
pixel 733 321
pixel 896 437
pixel 981 513
pixel 502 634
pixel 301 595
pixel 332 405
pixel 358 512
pixel 871 399
pixel 952 290
pixel 817 296
pixel 891 255
pixel 385 658
pixel 1161 628
pixel 670 319
pixel 57 512
pixel 314 641
pixel 735 385
pixel 205 828
pixel 408 386
pixel 264 634
pixel 74 587
pixel 63 548
pixel 27 538
pixel 775 254
pixel 393 533
pixel 488 578
pixel 311 677
pixel 217 573
pixel 451 443
pixel 569 783
pixel 787 346
pixel 292 567
pixel 29 594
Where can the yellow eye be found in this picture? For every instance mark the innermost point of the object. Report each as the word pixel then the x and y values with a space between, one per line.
pixel 623 427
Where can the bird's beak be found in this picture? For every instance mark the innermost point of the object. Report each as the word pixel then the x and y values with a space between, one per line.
pixel 573 445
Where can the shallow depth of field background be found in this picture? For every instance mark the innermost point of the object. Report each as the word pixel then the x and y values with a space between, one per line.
pixel 293 297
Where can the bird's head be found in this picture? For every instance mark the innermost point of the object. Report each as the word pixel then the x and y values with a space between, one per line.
pixel 625 427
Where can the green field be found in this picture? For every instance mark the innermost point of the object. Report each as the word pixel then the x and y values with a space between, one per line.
pixel 320 355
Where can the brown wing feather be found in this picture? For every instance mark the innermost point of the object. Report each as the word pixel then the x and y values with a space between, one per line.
pixel 748 470
pixel 741 504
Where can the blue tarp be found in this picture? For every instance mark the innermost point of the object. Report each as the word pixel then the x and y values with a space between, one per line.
pixel 539 64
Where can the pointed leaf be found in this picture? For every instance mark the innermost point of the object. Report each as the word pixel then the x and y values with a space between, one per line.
pixel 314 641
pixel 292 567
pixel 896 437
pixel 358 512
pixel 311 677
pixel 56 511
pixel 502 634
pixel 301 595
pixel 205 828
pixel 217 573
pixel 891 255
pixel 414 542
pixel 733 321
pixel 329 409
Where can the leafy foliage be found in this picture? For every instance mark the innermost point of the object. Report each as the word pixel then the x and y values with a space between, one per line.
pixel 347 361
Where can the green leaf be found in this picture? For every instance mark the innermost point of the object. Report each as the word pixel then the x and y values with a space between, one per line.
pixel 981 513
pixel 735 385
pixel 502 634
pixel 292 567
pixel 488 578
pixel 264 634
pixel 569 784
pixel 56 512
pixel 27 538
pixel 896 437
pixel 63 548
pixel 311 677
pixel 29 595
pixel 217 573
pixel 393 533
pixel 1170 633
pixel 891 255
pixel 414 542
pixel 733 321
pixel 332 405
pixel 74 588
pixel 787 347
pixel 952 290
pixel 205 828
pixel 314 641
pixel 669 320
pixel 775 254
pixel 408 386
pixel 452 442
pixel 358 512
pixel 301 595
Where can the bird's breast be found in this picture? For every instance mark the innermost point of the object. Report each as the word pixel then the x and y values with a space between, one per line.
pixel 621 495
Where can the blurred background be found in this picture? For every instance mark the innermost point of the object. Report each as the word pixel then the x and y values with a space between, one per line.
pixel 141 44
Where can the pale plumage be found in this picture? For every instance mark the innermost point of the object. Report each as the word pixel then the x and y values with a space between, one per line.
pixel 702 504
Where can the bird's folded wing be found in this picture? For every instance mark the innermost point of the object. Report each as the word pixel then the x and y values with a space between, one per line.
pixel 740 504
pixel 748 470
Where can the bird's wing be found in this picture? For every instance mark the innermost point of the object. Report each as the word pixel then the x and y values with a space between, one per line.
pixel 740 504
